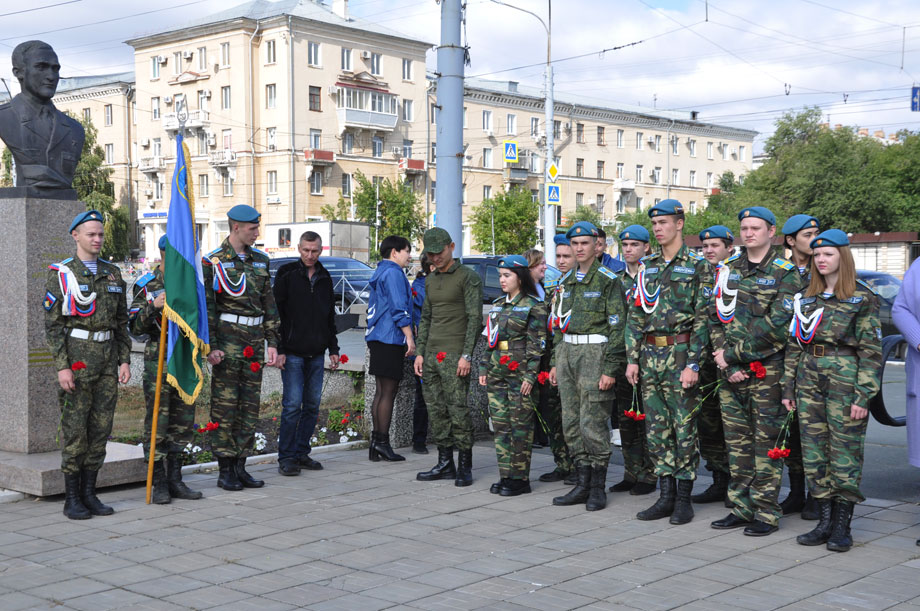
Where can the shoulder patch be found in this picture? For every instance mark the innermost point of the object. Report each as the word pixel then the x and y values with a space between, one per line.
pixel 866 286
pixel 784 264
pixel 552 285
pixel 143 280
pixel 732 258
pixel 695 255
pixel 607 272
pixel 49 301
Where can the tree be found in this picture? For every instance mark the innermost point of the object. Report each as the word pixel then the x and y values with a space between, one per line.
pixel 6 175
pixel 515 215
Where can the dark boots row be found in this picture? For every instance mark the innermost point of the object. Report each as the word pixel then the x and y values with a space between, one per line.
pixel 233 475
pixel 674 502
pixel 833 527
pixel 462 473
pixel 590 486
pixel 167 481
pixel 80 500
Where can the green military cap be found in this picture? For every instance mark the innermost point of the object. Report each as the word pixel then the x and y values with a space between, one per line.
pixel 757 212
pixel 635 232
pixel 666 207
pixel 581 229
pixel 831 237
pixel 798 222
pixel 243 214
pixel 435 240
pixel 83 217
pixel 717 231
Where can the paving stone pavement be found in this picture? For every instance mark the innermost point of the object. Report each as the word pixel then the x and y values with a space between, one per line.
pixel 361 535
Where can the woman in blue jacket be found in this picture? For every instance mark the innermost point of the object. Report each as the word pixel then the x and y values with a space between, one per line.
pixel 389 338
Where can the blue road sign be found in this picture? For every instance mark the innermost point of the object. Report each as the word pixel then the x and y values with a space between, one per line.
pixel 915 99
pixel 511 151
pixel 552 194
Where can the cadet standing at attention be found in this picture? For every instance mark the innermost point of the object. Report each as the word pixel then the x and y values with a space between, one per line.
pixel 798 232
pixel 832 369
pixel 749 332
pixel 86 327
pixel 516 335
pixel 451 321
pixel 176 420
pixel 590 311
pixel 242 318
pixel 717 246
pixel 638 469
pixel 665 342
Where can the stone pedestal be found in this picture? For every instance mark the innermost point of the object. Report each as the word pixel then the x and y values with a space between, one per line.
pixel 36 235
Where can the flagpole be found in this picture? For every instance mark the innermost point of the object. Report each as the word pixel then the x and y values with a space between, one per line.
pixel 156 406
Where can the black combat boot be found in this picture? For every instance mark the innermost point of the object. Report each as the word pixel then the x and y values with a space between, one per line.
pixel 177 488
pixel 810 509
pixel 840 539
pixel 822 532
pixel 247 480
pixel 464 468
pixel 664 506
pixel 578 494
pixel 556 475
pixel 716 491
pixel 384 450
pixel 227 478
pixel 514 487
pixel 445 468
pixel 88 495
pixel 160 493
pixel 73 506
pixel 597 497
pixel 796 499
pixel 683 509
pixel 643 488
pixel 625 485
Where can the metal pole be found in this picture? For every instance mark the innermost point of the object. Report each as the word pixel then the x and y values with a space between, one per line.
pixel 449 134
pixel 492 214
pixel 549 211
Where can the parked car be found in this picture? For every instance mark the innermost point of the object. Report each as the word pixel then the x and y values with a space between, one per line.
pixel 887 287
pixel 350 278
pixel 487 268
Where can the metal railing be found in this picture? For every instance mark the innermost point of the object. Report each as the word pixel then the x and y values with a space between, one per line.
pixel 345 302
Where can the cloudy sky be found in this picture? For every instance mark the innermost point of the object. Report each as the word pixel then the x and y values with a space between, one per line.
pixel 743 66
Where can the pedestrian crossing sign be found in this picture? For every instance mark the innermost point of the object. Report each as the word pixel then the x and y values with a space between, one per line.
pixel 552 194
pixel 915 99
pixel 511 151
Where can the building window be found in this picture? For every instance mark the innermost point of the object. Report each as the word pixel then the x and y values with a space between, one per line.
pixel 407 149
pixel 579 167
pixel 557 129
pixel 110 153
pixel 656 175
pixel 316 98
pixel 154 67
pixel 692 207
pixel 639 174
pixel 271 179
pixel 434 152
pixel 157 147
pixel 692 145
pixel 270 96
pixel 346 185
pixel 580 133
pixel 621 203
pixel 621 136
pixel 316 183
pixel 225 98
pixel 674 142
pixel 316 138
pixel 203 99
pixel 227 139
pixel 486 192
pixel 270 56
pixel 534 164
pixel 709 181
pixel 639 141
pixel 228 186
pixel 177 62
pixel 225 54
pixel 434 185
pixel 534 127
pixel 487 158
pixel 203 185
pixel 313 58
pixel 375 64
pixel 658 143
pixel 348 143
pixel 675 176
pixel 271 138
pixel 346 59
pixel 620 170
pixel 434 114
pixel 601 137
pixel 134 112
pixel 487 121
pixel 202 138
pixel 709 150
pixel 692 178
pixel 579 199
pixel 157 188
pixel 407 111
pixel 202 59
pixel 741 154
pixel 407 69
pixel 511 124
pixel 154 109
pixel 725 151
pixel 464 118
pixel 600 202
pixel 600 169
pixel 377 147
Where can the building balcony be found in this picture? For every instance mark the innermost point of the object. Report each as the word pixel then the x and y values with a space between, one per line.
pixel 197 119
pixel 222 159
pixel 411 166
pixel 366 119
pixel 624 184
pixel 153 164
pixel 318 157
pixel 514 174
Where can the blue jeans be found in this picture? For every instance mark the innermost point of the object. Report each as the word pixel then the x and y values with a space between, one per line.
pixel 302 381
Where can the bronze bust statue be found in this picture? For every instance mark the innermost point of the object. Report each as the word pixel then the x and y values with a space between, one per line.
pixel 46 144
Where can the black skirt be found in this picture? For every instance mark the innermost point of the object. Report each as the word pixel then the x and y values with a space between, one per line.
pixel 387 360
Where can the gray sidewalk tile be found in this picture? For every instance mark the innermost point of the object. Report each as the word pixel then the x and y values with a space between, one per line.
pixel 551 599
pixel 209 598
pixel 448 578
pixel 14 601
pixel 71 588
pixel 115 598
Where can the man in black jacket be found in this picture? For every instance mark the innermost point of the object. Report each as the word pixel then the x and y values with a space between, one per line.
pixel 303 293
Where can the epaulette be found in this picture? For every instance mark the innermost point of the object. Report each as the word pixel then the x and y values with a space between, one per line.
pixel 497 299
pixel 143 280
pixel 695 255
pixel 567 274
pixel 64 262
pixel 649 256
pixel 784 264
pixel 259 252
pixel 553 284
pixel 213 253
pixel 732 258
pixel 607 272
pixel 865 284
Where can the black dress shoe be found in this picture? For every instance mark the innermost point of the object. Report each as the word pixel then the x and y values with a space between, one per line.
pixel 308 463
pixel 760 529
pixel 732 521
pixel 624 486
pixel 288 468
pixel 514 487
pixel 556 475
pixel 419 448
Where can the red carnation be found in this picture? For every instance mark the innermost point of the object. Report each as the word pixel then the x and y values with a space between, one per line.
pixel 640 417
pixel 504 359
pixel 440 356
pixel 756 366
pixel 78 365
pixel 414 293
pixel 774 453
pixel 344 420
pixel 343 359
pixel 248 352
pixel 212 425
pixel 255 367
pixel 513 365
pixel 542 377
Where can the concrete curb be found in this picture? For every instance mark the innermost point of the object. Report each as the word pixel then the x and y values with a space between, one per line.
pixel 266 458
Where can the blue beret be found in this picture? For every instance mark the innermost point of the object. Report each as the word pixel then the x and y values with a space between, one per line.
pixel 242 213
pixel 758 212
pixel 666 207
pixel 799 222
pixel 512 261
pixel 831 237
pixel 717 231
pixel 162 242
pixel 635 232
pixel 89 215
pixel 581 229
pixel 560 238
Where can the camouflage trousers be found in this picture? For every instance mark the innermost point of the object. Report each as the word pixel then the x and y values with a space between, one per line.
pixel 794 445
pixel 709 424
pixel 753 413
pixel 833 444
pixel 235 397
pixel 637 463
pixel 512 422
pixel 585 408
pixel 86 417
pixel 551 421
pixel 671 440
pixel 446 396
pixel 176 420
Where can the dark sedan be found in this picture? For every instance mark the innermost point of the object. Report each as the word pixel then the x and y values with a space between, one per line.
pixel 487 268
pixel 887 287
pixel 350 278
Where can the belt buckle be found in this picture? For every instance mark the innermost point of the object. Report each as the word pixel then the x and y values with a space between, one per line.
pixel 661 341
pixel 819 350
pixel 503 345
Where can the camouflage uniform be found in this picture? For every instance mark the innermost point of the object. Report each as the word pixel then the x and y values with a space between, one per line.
pixel 176 420
pixel 752 410
pixel 637 462
pixel 521 325
pixel 709 424
pixel 793 462
pixel 596 307
pixel 685 283
pixel 235 387
pixel 451 321
pixel 87 412
pixel 552 412
pixel 824 388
